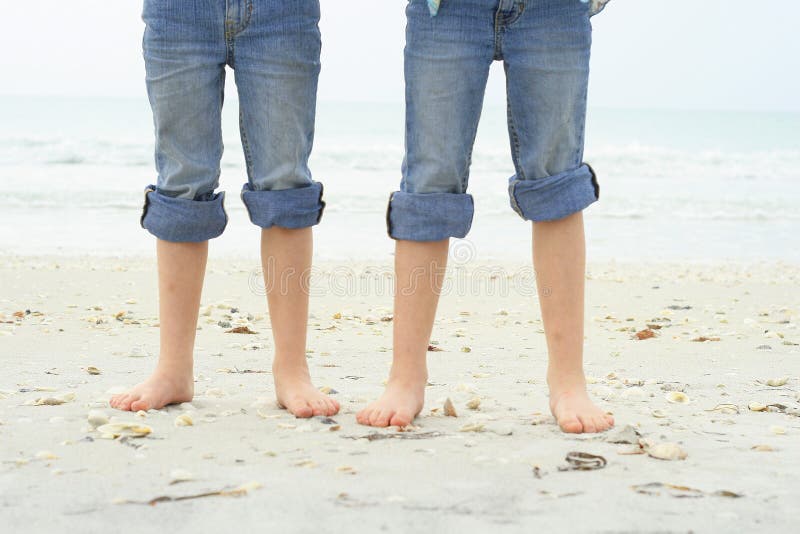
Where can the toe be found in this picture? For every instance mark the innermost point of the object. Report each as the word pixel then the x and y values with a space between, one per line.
pixel 570 424
pixel 588 424
pixel 373 417
pixel 384 416
pixel 332 407
pixel 300 408
pixel 124 402
pixel 401 418
pixel 609 419
pixel 362 417
pixel 140 404
pixel 601 423
pixel 319 407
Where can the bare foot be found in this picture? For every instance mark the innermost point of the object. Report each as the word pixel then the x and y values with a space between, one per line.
pixel 297 394
pixel 575 412
pixel 400 403
pixel 160 389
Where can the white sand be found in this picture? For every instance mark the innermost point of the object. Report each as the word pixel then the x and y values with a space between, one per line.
pixel 315 479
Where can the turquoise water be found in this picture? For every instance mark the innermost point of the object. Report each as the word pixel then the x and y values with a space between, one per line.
pixel 694 185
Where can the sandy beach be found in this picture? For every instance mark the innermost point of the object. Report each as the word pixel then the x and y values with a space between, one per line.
pixel 715 378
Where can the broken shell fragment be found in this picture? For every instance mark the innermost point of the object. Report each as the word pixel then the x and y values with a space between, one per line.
pixel 180 475
pixel 762 448
pixel 97 418
pixel 756 407
pixel 667 451
pixel 46 455
pixel 449 409
pixel 92 370
pixel 115 430
pixel 777 382
pixel 678 397
pixel 474 403
pixel 777 429
pixel 184 419
pixel 472 427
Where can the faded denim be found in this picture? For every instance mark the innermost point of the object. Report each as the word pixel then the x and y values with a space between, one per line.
pixel 545 48
pixel 273 47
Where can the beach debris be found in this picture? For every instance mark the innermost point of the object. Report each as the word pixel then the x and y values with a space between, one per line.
pixel 306 462
pixel 777 430
pixel 92 370
pixel 215 392
pixel 666 451
pixel 337 315
pixel 45 455
pixel 756 407
pixel 466 349
pixel 673 490
pixel 777 382
pixel 472 427
pixel 647 333
pixel 677 397
pixel 634 393
pixel 376 436
pixel 179 475
pixel 52 401
pixel 627 435
pixel 762 448
pixel 138 352
pixel 123 429
pixel 326 420
pixel 763 347
pixel 583 461
pixel 240 330
pixel 347 469
pixel 449 409
pixel 434 348
pixel 703 339
pixel 239 491
pixel 728 409
pixel 184 419
pixel 242 371
pixel 327 390
pixel 474 403
pixel 387 318
pixel 97 418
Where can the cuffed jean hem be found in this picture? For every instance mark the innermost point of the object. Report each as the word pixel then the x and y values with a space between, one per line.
pixel 429 216
pixel 288 208
pixel 554 197
pixel 182 220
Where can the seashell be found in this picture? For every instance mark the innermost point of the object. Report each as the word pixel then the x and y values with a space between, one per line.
pixel 327 390
pixel 727 409
pixel 52 401
pixel 466 349
pixel 667 451
pixel 481 375
pixel 131 429
pixel 141 413
pixel 777 382
pixel 306 463
pixel 678 397
pixel 97 418
pixel 776 429
pixel 762 448
pixel 756 407
pixel 449 409
pixel 472 427
pixel 184 419
pixel 286 426
pixel 46 455
pixel 337 315
pixel 474 403
pixel 350 470
pixel 92 370
pixel 180 475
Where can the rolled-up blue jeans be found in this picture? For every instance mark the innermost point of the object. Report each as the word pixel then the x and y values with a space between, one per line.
pixel 545 47
pixel 273 47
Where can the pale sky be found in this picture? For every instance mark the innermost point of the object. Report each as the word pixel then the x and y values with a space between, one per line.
pixel 719 54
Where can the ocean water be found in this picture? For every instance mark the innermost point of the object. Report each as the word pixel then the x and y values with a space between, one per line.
pixel 675 185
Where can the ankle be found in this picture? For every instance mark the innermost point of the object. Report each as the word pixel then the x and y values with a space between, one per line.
pixel 566 379
pixel 175 370
pixel 408 376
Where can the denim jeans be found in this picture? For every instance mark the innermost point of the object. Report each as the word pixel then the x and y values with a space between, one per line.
pixel 273 47
pixel 545 47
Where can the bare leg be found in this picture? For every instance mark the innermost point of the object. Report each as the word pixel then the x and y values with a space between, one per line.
pixel 286 260
pixel 181 268
pixel 419 270
pixel 559 256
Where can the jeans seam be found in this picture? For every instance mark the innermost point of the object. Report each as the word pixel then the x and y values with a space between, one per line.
pixel 248 156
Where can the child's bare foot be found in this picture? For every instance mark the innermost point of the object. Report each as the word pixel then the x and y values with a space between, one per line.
pixel 400 403
pixel 163 387
pixel 574 410
pixel 297 394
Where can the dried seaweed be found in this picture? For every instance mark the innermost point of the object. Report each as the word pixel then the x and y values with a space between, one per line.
pixel 583 461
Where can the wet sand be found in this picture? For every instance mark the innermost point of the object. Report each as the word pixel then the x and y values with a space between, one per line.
pixel 74 331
